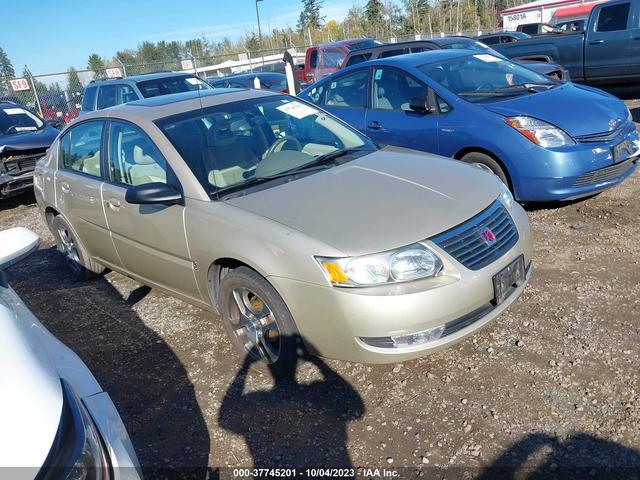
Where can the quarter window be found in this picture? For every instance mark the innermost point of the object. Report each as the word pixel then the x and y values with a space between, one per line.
pixel 80 148
pixel 126 94
pixel 348 90
pixel 89 99
pixel 613 18
pixel 393 89
pixel 133 158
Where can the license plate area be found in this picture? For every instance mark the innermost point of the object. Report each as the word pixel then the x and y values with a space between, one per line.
pixel 508 279
pixel 622 151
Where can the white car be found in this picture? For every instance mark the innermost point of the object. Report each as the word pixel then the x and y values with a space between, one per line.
pixel 55 420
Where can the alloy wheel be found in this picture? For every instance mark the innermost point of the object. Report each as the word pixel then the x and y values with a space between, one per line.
pixel 254 325
pixel 69 248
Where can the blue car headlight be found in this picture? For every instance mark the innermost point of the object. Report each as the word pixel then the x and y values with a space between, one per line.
pixel 540 132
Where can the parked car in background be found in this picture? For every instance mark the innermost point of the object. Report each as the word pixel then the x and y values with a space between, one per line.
pixel 607 52
pixel 454 42
pixel 101 94
pixel 545 139
pixel 321 60
pixel 501 37
pixel 24 138
pixel 571 25
pixel 260 206
pixel 57 422
pixel 536 28
pixel 64 105
pixel 270 81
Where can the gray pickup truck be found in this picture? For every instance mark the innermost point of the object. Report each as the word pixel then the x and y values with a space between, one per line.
pixel 608 51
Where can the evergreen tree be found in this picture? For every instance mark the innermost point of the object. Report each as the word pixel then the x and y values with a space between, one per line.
pixel 373 12
pixel 310 15
pixel 6 67
pixel 73 79
pixel 96 64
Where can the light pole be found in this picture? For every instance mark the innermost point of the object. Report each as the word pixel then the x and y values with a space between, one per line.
pixel 258 17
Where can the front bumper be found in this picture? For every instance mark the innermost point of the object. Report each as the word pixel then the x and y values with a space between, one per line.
pixel 577 171
pixel 333 320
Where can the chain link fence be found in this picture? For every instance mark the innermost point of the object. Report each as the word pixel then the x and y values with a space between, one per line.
pixel 58 96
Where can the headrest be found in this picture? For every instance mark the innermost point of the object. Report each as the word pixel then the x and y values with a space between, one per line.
pixel 221 134
pixel 437 74
pixel 140 158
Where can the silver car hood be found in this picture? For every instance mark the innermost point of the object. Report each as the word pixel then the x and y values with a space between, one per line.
pixel 31 399
pixel 387 199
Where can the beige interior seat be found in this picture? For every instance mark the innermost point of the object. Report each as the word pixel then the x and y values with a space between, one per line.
pixel 226 159
pixel 91 164
pixel 145 168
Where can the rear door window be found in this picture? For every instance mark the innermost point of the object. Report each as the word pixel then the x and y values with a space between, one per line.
pixel 613 18
pixel 392 53
pixel 89 99
pixel 80 148
pixel 313 59
pixel 126 94
pixel 348 90
pixel 359 58
pixel 107 96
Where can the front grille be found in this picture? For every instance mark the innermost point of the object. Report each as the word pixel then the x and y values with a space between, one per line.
pixel 466 245
pixel 599 137
pixel 603 175
pixel 22 161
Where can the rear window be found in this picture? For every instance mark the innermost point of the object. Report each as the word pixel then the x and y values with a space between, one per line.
pixel 392 53
pixel 359 58
pixel 168 85
pixel 364 44
pixel 89 99
pixel 107 96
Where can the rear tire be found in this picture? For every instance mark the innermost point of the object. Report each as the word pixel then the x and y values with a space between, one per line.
pixel 484 161
pixel 79 262
pixel 258 322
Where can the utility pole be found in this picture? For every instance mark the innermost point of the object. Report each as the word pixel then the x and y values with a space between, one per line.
pixel 258 18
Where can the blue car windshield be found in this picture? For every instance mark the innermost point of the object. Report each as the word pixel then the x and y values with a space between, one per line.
pixel 484 77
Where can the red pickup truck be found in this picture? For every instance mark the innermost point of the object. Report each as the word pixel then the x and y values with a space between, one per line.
pixel 322 60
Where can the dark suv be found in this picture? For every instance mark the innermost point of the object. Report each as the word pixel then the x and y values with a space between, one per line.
pixel 101 94
pixel 392 49
pixel 24 138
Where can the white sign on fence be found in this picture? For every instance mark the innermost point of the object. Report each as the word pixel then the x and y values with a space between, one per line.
pixel 19 84
pixel 243 57
pixel 113 72
pixel 187 64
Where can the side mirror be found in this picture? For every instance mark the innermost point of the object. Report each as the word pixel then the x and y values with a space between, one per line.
pixel 153 194
pixel 57 123
pixel 16 244
pixel 421 105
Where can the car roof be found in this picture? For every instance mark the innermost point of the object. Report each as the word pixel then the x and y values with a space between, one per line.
pixel 150 109
pixel 417 59
pixel 247 75
pixel 338 43
pixel 143 77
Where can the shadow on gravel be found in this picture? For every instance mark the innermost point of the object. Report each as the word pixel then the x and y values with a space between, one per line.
pixel 26 198
pixel 144 377
pixel 581 456
pixel 293 425
pixel 532 207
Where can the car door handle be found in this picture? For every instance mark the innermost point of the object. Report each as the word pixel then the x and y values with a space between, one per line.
pixel 596 42
pixel 65 187
pixel 114 204
pixel 375 125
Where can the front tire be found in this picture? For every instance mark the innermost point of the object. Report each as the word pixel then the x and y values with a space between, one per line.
pixel 258 322
pixel 487 163
pixel 79 262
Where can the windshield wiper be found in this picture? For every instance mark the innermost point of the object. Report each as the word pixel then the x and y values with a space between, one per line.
pixel 329 157
pixel 508 90
pixel 530 87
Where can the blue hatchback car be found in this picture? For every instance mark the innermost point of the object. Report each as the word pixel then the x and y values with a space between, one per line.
pixel 545 139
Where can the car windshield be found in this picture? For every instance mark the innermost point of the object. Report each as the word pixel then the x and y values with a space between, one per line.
pixel 235 145
pixel 167 85
pixel 18 120
pixel 484 77
pixel 363 44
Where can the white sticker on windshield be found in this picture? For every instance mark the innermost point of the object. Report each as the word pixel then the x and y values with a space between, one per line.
pixel 13 111
pixel 297 110
pixel 25 129
pixel 487 58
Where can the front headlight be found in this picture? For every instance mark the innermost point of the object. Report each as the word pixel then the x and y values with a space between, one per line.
pixel 77 453
pixel 400 265
pixel 506 197
pixel 539 132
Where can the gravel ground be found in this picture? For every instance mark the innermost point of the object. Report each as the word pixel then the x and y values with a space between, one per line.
pixel 550 389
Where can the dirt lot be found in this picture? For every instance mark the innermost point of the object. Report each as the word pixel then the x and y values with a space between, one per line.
pixel 551 386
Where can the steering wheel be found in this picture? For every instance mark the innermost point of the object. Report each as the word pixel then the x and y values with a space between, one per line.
pixel 484 86
pixel 280 143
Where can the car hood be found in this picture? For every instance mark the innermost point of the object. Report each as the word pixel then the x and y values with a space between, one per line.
pixel 23 141
pixel 31 399
pixel 387 199
pixel 576 109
